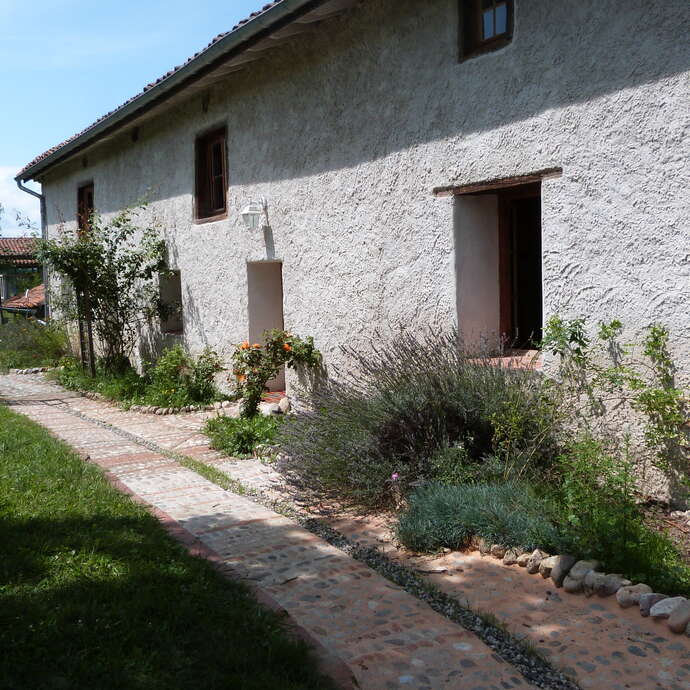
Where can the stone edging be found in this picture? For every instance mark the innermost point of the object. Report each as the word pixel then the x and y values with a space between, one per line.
pixel 32 370
pixel 267 409
pixel 586 576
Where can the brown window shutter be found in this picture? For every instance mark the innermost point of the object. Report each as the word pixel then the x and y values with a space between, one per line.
pixel 85 207
pixel 211 175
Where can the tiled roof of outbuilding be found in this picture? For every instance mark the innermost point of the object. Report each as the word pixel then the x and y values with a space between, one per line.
pixel 31 299
pixel 148 87
pixel 14 247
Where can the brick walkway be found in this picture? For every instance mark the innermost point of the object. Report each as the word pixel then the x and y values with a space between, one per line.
pixel 387 638
pixel 592 639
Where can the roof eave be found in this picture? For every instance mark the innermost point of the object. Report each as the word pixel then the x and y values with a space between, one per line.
pixel 206 59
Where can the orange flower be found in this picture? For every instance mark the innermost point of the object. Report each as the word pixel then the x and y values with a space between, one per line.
pixel 287 347
pixel 256 346
pixel 245 345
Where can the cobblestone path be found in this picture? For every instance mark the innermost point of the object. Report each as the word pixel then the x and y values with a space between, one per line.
pixel 388 638
pixel 594 640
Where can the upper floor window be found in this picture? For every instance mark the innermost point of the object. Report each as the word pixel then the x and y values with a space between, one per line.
pixel 211 175
pixel 486 25
pixel 85 207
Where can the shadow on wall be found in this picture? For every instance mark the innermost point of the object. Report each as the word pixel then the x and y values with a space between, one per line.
pixel 385 78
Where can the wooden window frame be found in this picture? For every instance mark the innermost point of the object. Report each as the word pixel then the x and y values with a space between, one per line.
pixel 85 207
pixel 471 41
pixel 205 211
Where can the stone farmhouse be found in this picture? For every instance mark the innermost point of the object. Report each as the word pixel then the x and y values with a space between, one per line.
pixel 343 166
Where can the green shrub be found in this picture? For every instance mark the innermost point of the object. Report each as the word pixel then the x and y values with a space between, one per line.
pixel 124 386
pixel 508 513
pixel 241 436
pixel 27 343
pixel 177 379
pixel 453 465
pixel 601 373
pixel 600 518
pixel 411 398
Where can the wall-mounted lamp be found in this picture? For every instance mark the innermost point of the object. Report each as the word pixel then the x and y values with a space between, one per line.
pixel 255 214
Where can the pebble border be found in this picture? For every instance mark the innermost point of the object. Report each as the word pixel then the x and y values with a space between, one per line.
pixel 152 409
pixel 268 409
pixel 33 370
pixel 585 576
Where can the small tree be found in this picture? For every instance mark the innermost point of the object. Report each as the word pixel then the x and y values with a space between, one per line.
pixel 112 268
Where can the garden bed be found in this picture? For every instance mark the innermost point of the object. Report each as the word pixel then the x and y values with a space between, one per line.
pixel 463 449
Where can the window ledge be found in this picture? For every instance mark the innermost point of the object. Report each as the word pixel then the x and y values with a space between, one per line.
pixel 488 47
pixel 210 219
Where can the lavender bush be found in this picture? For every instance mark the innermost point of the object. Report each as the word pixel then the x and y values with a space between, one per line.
pixel 412 397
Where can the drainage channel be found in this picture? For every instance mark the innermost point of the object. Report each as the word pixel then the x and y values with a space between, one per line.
pixel 527 661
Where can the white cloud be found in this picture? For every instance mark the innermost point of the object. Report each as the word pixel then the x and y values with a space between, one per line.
pixel 15 201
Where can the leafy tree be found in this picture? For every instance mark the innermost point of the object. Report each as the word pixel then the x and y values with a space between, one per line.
pixel 112 269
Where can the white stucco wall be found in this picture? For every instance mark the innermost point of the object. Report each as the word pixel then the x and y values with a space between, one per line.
pixel 477 274
pixel 347 132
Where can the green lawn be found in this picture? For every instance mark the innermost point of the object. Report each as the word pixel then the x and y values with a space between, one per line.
pixel 94 594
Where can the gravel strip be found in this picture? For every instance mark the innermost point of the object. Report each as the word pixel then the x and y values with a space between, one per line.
pixel 535 668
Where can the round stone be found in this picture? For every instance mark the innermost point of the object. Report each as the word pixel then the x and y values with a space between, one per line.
pixel 563 565
pixel 611 584
pixel 534 561
pixel 511 557
pixel 498 551
pixel 665 607
pixel 630 595
pixel 522 559
pixel 592 581
pixel 572 585
pixel 547 565
pixel 680 617
pixel 649 600
pixel 581 568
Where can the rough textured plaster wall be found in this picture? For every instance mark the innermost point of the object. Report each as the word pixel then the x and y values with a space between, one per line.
pixel 347 132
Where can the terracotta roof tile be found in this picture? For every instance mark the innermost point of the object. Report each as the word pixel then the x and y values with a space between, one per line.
pixel 148 87
pixel 18 247
pixel 31 299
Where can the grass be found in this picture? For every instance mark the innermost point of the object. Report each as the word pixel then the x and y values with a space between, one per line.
pixel 94 594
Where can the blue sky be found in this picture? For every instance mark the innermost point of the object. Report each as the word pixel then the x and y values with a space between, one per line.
pixel 64 63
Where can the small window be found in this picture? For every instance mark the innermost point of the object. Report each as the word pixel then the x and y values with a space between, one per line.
pixel 211 176
pixel 85 207
pixel 486 25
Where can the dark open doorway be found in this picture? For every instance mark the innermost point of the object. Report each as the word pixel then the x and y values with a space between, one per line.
pixel 520 270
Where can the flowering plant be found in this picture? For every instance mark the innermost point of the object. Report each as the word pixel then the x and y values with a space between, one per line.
pixel 254 364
